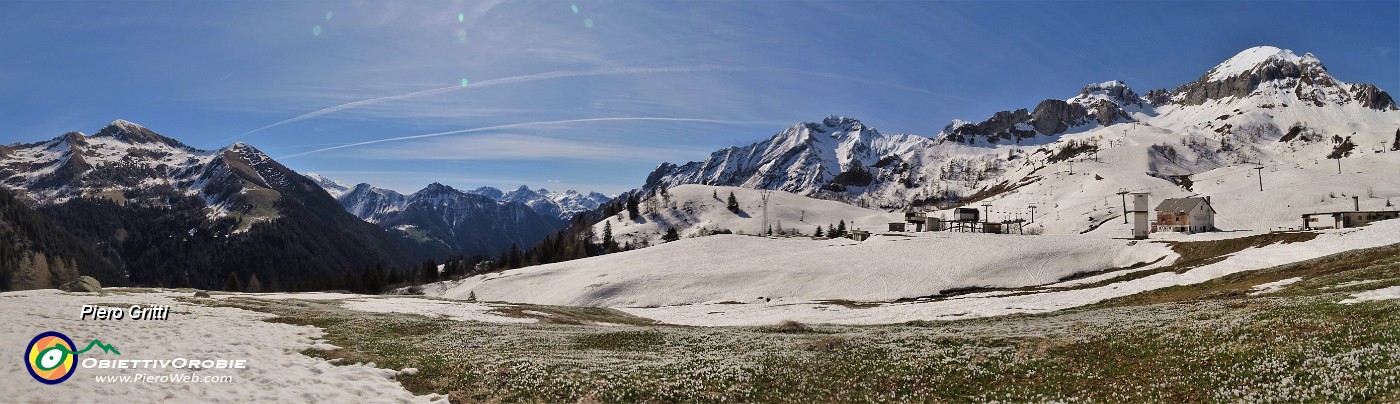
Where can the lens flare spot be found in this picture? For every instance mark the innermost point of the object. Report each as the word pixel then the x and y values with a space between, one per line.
pixel 588 23
pixel 461 17
pixel 329 14
pixel 464 82
pixel 316 30
pixel 574 7
pixel 462 35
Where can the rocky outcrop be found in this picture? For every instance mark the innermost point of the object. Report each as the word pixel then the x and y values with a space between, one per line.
pixel 1101 104
pixel 1158 97
pixel 84 284
pixel 1372 97
pixel 1053 117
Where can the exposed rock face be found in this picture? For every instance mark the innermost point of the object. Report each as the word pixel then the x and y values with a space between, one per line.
pixel 1002 126
pixel 1053 117
pixel 1101 104
pixel 1158 97
pixel 1263 68
pixel 1372 97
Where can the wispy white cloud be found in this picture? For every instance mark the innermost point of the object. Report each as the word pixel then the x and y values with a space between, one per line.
pixel 507 146
pixel 481 84
pixel 523 125
pixel 581 73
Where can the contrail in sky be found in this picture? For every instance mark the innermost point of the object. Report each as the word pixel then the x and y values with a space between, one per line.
pixel 518 125
pixel 565 74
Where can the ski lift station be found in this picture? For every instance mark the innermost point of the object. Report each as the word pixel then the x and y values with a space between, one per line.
pixel 1341 220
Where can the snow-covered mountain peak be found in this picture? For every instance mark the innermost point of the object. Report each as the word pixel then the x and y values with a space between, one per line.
pixel 1248 59
pixel 1267 75
pixel 845 124
pixel 437 189
pixel 562 205
pixel 1113 91
pixel 489 192
pixel 125 124
pixel 71 138
pixel 240 147
pixel 128 132
pixel 333 187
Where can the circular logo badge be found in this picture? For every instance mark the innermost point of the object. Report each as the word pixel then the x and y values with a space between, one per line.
pixel 50 358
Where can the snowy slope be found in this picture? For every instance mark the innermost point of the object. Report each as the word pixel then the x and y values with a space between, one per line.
pixel 694 210
pixel 745 268
pixel 745 280
pixel 1003 303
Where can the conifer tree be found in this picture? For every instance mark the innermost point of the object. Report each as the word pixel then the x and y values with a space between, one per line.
pixel 818 233
pixel 609 244
pixel 633 210
pixel 232 284
pixel 733 203
pixel 516 260
pixel 671 235
pixel 253 285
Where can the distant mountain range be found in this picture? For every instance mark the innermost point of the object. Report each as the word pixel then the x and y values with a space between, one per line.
pixel 468 223
pixel 1261 95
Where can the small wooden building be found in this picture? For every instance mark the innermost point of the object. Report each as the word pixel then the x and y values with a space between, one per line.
pixel 1184 215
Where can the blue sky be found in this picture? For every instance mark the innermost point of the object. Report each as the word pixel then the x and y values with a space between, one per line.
pixel 593 95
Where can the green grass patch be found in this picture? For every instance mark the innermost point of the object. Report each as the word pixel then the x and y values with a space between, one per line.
pixel 1379 267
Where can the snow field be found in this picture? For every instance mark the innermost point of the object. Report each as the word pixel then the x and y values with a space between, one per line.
pixel 747 269
pixel 1330 242
pixel 1389 293
pixel 276 371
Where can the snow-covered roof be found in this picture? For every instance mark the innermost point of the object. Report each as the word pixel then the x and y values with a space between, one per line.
pixel 1181 204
